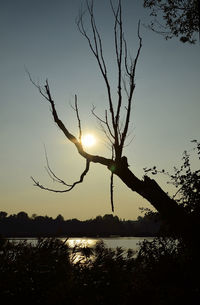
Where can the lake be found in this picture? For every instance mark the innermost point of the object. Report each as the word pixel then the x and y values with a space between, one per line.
pixel 110 242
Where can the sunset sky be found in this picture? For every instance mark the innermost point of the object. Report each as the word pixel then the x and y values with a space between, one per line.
pixel 42 36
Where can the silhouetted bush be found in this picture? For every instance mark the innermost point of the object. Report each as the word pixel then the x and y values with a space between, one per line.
pixel 167 272
pixel 163 272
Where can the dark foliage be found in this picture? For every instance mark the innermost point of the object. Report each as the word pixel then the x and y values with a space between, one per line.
pixel 169 270
pixel 162 273
pixel 186 180
pixel 181 18
pixel 21 225
pixel 31 274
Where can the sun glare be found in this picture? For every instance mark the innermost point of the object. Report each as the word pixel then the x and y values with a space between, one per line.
pixel 88 140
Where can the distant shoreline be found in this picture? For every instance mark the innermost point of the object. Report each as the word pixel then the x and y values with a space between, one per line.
pixel 72 236
pixel 23 226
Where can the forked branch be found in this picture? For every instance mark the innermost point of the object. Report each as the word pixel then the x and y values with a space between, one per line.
pixel 114 129
pixel 95 44
pixel 131 74
pixel 45 92
pixel 70 187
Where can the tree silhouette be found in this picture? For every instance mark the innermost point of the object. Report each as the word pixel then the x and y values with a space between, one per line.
pixel 115 130
pixel 181 18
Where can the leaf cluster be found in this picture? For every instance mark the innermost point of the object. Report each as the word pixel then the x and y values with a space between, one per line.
pixel 181 18
pixel 186 180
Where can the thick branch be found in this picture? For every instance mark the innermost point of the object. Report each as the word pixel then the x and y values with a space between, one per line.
pixel 151 191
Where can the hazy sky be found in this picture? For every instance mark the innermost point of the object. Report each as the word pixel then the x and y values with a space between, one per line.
pixel 42 35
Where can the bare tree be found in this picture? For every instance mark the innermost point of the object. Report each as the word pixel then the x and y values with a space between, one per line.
pixel 115 130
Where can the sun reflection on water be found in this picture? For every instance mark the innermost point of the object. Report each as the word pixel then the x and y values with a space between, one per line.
pixel 81 242
pixel 78 246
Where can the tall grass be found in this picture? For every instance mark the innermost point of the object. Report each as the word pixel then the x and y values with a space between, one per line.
pixel 163 272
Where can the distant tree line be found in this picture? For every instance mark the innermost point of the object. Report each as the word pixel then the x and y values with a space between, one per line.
pixel 21 225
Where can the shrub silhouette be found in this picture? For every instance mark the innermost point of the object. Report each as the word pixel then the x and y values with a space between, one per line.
pixel 162 272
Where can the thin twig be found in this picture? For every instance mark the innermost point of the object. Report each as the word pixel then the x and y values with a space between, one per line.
pixel 103 121
pixel 78 118
pixel 70 188
pixel 52 174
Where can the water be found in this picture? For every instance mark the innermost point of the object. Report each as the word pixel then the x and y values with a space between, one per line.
pixel 110 242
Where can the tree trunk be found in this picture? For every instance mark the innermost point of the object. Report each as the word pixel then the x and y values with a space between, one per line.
pixel 148 188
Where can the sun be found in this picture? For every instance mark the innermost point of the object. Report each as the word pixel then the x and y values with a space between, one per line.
pixel 88 140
